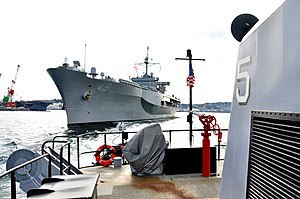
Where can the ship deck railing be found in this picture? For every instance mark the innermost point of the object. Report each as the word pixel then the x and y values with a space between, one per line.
pixel 12 172
pixel 124 137
pixel 129 83
pixel 144 87
pixel 67 143
pixel 63 169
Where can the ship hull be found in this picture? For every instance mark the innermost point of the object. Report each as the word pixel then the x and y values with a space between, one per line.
pixel 108 101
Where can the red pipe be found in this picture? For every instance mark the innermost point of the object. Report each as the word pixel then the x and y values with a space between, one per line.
pixel 206 154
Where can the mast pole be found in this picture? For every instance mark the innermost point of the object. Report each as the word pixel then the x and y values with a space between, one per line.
pixel 147 61
pixel 190 81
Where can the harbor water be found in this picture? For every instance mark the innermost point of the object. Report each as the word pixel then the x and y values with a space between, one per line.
pixel 29 129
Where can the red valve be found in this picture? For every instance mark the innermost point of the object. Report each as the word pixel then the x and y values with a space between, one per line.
pixel 209 124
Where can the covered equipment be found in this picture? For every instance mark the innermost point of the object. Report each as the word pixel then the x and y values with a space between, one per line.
pixel 145 151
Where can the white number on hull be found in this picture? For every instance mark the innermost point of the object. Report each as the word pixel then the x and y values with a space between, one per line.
pixel 104 87
pixel 243 76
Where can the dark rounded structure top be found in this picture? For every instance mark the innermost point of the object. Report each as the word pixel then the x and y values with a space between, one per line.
pixel 241 25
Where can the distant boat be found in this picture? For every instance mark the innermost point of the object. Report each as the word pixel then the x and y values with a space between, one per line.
pixel 89 100
pixel 34 105
pixel 37 105
pixel 55 106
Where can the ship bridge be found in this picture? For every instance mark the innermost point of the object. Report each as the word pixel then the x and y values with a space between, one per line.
pixel 151 82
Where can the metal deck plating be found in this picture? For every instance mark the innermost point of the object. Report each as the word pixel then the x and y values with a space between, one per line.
pixel 118 182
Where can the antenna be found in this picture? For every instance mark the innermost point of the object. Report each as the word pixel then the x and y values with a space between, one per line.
pixel 147 63
pixel 84 57
pixel 147 60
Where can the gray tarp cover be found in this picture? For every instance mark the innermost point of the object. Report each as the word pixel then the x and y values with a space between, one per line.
pixel 145 151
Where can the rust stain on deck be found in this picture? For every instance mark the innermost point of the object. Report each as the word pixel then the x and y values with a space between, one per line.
pixel 163 187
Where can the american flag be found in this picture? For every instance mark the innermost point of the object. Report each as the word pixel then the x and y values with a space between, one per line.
pixel 191 78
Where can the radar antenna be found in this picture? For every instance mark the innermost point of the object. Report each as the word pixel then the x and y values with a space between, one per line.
pixel 147 62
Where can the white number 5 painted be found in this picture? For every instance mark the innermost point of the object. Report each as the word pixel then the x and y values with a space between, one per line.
pixel 243 76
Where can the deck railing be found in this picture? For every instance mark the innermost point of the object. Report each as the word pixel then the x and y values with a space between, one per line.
pixel 65 143
pixel 124 135
pixel 45 154
pixel 12 172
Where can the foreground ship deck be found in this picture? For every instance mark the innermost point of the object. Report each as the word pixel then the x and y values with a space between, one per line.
pixel 115 180
pixel 118 182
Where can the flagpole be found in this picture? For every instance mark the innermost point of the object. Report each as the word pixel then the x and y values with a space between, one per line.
pixel 190 83
pixel 190 117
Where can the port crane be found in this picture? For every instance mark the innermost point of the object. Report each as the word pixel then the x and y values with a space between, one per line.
pixel 9 98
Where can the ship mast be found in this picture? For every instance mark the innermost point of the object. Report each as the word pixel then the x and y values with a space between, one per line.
pixel 147 62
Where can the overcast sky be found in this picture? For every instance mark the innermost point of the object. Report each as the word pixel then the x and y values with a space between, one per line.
pixel 38 34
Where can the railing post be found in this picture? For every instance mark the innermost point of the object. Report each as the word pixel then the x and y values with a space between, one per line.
pixel 49 167
pixel 124 137
pixel 69 158
pixel 219 146
pixel 13 185
pixel 170 136
pixel 78 152
pixel 61 161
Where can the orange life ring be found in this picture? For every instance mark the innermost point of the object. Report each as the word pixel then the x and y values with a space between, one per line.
pixel 108 157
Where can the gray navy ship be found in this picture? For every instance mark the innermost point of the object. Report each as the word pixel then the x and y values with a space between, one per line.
pixel 91 100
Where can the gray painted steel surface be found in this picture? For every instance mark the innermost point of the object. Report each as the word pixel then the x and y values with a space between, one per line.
pixel 267 78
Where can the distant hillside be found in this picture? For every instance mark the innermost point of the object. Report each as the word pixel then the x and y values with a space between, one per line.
pixel 208 107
